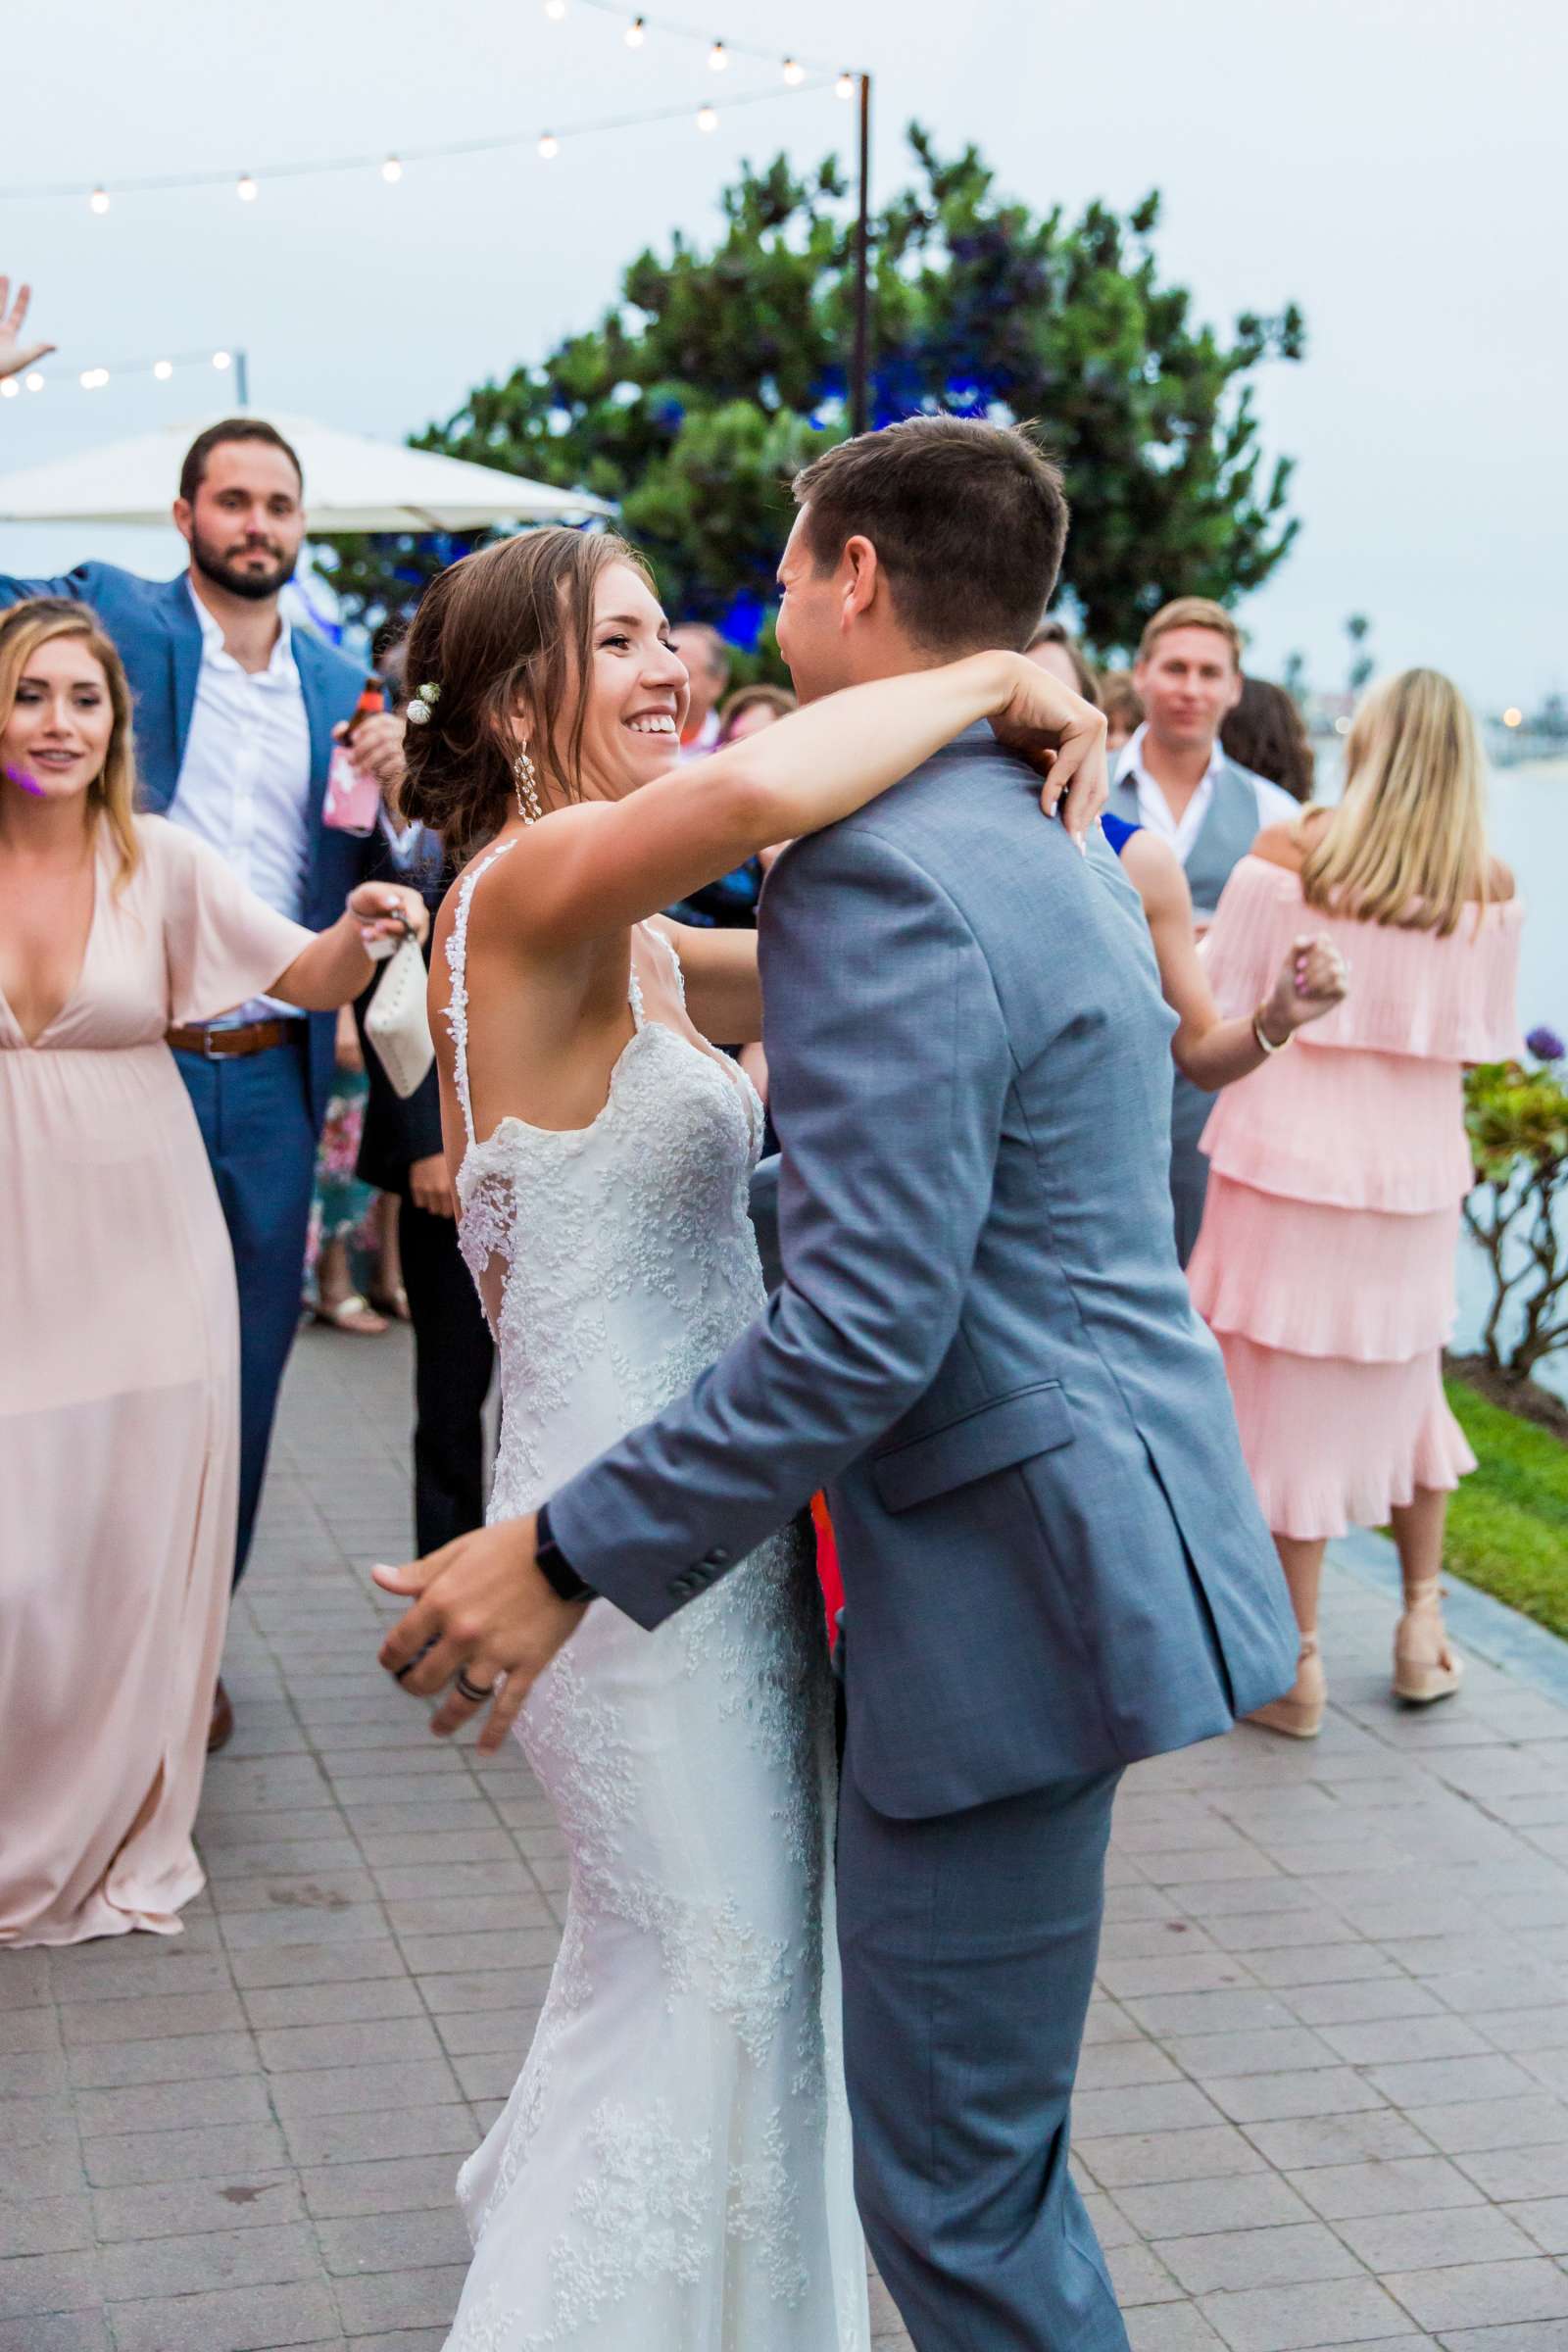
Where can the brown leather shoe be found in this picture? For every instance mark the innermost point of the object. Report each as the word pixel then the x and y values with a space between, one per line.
pixel 221 1730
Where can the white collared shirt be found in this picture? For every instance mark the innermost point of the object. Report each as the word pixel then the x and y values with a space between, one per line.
pixel 1274 805
pixel 245 781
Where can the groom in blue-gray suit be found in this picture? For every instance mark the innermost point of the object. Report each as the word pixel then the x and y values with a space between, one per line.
pixel 235 715
pixel 983 1346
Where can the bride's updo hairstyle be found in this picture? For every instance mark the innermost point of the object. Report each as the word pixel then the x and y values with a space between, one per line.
pixel 512 625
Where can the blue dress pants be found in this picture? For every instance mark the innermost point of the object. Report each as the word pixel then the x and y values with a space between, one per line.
pixel 256 1121
pixel 968 1945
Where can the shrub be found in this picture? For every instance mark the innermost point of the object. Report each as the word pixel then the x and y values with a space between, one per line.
pixel 1517 1120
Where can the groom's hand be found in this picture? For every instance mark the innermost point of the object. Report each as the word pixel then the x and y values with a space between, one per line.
pixel 486 1615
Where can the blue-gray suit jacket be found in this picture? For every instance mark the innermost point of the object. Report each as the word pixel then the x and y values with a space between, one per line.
pixel 159 641
pixel 982 1344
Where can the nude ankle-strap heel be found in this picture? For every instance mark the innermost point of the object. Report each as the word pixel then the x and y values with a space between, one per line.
pixel 1425 1666
pixel 1299 1714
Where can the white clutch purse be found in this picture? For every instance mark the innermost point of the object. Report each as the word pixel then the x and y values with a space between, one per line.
pixel 397 1024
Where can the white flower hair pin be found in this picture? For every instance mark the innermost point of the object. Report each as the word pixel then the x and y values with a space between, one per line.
pixel 422 707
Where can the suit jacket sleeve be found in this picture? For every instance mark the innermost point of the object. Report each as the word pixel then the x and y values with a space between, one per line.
pixel 889 1067
pixel 76 584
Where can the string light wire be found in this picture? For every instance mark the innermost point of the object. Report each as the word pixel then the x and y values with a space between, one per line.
pixel 156 183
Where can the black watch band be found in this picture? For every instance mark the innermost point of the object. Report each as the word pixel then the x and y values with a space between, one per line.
pixel 552 1564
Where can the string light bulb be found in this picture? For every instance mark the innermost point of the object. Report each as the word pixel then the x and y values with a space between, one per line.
pixel 34 381
pixel 246 189
pixel 9 388
pixel 555 9
pixel 636 32
pixel 550 146
pixel 844 88
pixel 94 378
pixel 222 360
pixel 717 58
pixel 706 117
pixel 99 200
pixel 391 170
pixel 163 370
pixel 794 71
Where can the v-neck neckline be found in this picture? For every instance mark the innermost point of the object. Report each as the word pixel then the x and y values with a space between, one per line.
pixel 68 1003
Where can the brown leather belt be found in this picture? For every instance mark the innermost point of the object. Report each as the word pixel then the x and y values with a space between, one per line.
pixel 231 1045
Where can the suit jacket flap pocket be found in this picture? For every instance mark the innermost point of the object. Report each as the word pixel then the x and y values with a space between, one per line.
pixel 994 1437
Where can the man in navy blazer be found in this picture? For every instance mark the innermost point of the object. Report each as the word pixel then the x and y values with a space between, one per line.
pixel 235 718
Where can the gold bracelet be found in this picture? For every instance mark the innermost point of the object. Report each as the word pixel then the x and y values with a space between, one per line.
pixel 1268 1044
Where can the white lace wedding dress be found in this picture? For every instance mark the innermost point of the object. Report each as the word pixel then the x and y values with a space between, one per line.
pixel 672 2173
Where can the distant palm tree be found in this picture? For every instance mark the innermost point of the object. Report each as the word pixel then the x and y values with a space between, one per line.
pixel 1358 629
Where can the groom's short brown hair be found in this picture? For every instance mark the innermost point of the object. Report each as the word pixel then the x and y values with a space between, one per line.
pixel 968 521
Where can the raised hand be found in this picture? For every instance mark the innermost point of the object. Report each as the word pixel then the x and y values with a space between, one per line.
pixel 388 910
pixel 1061 736
pixel 1311 980
pixel 15 355
pixel 376 749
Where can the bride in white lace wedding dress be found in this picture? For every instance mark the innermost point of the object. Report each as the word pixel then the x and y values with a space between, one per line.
pixel 672 2170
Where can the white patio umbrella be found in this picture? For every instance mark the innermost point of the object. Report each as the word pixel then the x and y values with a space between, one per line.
pixel 350 485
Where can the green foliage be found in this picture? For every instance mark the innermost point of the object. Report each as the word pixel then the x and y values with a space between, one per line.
pixel 1508 1522
pixel 720 372
pixel 1518 1122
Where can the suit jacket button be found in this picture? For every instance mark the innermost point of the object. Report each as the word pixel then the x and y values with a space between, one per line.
pixel 718 1557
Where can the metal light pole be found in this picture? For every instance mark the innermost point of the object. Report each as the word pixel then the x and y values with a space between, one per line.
pixel 860 371
pixel 243 378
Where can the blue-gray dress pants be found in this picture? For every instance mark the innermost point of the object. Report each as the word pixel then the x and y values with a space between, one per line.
pixel 968 1945
pixel 256 1121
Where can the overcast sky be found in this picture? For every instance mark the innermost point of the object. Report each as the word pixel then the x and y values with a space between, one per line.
pixel 1393 165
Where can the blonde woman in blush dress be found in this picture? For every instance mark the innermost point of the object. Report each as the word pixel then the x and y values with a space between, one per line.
pixel 118 1376
pixel 1326 1262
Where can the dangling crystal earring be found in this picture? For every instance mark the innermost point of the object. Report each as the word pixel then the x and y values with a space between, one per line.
pixel 530 807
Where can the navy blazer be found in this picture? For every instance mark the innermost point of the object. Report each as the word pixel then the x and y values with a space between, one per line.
pixel 154 624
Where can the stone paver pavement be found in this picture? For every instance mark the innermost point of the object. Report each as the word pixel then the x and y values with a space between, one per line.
pixel 1324 2101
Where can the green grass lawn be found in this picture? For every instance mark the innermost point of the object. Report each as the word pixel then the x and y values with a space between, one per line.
pixel 1508 1523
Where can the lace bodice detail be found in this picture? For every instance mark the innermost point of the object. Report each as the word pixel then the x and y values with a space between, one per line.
pixel 616 1260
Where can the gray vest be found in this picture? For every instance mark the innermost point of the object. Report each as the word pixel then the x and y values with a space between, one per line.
pixel 1228 831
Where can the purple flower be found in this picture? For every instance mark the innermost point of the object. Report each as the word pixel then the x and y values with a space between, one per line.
pixel 1546 1045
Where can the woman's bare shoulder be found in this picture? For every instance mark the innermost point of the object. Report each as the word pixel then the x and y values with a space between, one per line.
pixel 1286 844
pixel 1500 884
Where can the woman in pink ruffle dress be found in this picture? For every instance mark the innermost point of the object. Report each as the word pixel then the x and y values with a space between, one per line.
pixel 1326 1262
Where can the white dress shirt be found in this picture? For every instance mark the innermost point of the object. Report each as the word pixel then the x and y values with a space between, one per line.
pixel 1274 805
pixel 245 780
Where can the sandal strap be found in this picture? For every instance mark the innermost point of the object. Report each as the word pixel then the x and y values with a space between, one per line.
pixel 355 1303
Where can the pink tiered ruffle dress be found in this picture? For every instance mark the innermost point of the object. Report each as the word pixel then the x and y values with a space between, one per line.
pixel 1325 1266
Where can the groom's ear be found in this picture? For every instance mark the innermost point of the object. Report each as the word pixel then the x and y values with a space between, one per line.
pixel 861 573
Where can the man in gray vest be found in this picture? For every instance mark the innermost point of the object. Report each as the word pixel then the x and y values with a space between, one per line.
pixel 1173 777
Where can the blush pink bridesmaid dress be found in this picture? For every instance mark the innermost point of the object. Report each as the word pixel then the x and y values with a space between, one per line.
pixel 119 1414
pixel 1325 1266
